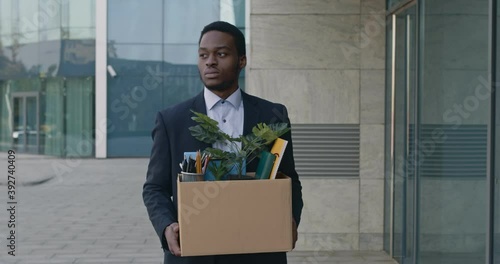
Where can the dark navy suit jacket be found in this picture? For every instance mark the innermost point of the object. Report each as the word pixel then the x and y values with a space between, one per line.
pixel 171 138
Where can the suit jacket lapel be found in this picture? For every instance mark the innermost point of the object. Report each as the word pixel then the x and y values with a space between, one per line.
pixel 199 104
pixel 251 113
pixel 200 107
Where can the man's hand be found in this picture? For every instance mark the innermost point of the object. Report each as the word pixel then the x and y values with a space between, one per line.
pixel 294 232
pixel 172 236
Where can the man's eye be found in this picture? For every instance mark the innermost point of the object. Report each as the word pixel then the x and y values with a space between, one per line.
pixel 222 54
pixel 203 55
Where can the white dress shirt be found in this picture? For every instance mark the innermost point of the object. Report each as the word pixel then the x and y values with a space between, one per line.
pixel 228 112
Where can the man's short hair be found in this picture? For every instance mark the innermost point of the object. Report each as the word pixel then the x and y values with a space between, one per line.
pixel 239 38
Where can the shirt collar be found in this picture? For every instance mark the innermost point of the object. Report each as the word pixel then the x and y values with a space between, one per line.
pixel 212 99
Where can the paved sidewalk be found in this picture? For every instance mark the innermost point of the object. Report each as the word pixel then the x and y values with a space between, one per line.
pixel 91 211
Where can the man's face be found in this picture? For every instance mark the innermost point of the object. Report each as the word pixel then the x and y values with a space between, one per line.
pixel 218 61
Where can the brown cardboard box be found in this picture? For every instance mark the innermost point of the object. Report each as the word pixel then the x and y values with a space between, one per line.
pixel 230 217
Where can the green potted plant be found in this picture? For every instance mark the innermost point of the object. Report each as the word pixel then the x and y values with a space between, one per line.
pixel 252 144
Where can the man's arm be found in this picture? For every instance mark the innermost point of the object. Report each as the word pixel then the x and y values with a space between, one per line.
pixel 287 166
pixel 157 189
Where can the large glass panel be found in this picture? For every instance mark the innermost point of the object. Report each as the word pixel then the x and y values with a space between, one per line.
pixel 50 34
pixel 52 117
pixel 133 102
pixel 181 82
pixel 49 14
pixel 188 32
pixel 135 52
pixel 25 122
pixel 452 139
pixel 5 43
pixel 78 19
pixel 394 3
pixel 50 57
pixel 26 17
pixel 6 17
pixel 5 118
pixel 155 58
pixel 131 21
pixel 18 116
pixel 78 58
pixel 78 33
pixel 81 13
pixel 31 129
pixel 79 127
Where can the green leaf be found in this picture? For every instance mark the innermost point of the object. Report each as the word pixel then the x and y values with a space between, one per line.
pixel 207 130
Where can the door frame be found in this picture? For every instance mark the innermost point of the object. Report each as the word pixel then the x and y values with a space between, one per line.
pixel 24 96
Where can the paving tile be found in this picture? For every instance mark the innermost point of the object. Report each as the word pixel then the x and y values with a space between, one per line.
pixel 94 216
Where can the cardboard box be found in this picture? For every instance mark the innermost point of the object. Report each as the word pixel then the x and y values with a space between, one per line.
pixel 231 217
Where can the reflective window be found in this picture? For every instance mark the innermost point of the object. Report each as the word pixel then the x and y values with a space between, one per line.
pixel 49 14
pixel 50 34
pixel 133 102
pixel 6 17
pixel 42 41
pixel 131 21
pixel 452 141
pixel 152 46
pixel 135 52
pixel 80 14
pixel 25 12
pixel 188 32
pixel 393 3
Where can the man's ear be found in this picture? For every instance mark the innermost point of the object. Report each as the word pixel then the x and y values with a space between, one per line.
pixel 243 62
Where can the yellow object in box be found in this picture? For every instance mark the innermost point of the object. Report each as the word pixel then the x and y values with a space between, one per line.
pixel 232 217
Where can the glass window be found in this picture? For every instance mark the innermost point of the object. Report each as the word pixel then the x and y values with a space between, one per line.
pixel 52 117
pixel 50 57
pixel 78 58
pixel 26 20
pixel 28 56
pixel 50 34
pixel 49 14
pixel 133 102
pixel 159 37
pixel 6 42
pixel 67 117
pixel 393 3
pixel 78 33
pixel 5 119
pixel 188 32
pixel 131 21
pixel 135 52
pixel 79 117
pixel 78 14
pixel 181 82
pixel 5 17
pixel 181 53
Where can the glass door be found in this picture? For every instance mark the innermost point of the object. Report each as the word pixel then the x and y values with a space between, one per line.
pixel 25 134
pixel 452 133
pixel 441 131
pixel 404 80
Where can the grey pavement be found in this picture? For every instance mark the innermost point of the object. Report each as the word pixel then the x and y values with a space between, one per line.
pixel 91 211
